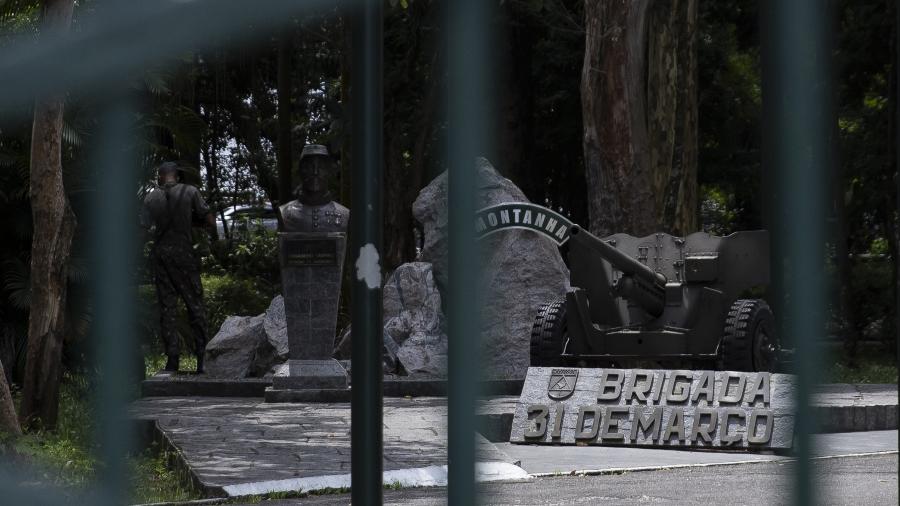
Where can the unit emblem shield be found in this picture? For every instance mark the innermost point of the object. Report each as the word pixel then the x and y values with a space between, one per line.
pixel 562 383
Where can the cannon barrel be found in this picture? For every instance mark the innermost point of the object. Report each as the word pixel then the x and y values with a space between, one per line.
pixel 639 283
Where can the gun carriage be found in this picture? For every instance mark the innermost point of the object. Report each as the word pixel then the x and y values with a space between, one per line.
pixel 661 298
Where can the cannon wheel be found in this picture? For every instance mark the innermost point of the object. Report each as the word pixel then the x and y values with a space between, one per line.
pixel 548 334
pixel 750 342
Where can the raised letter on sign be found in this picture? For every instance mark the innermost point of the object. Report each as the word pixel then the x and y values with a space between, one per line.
pixel 724 436
pixel 591 432
pixel 675 425
pixel 537 421
pixel 753 436
pixel 610 385
pixel 641 390
pixel 727 396
pixel 558 421
pixel 706 387
pixel 678 391
pixel 759 388
pixel 646 421
pixel 611 425
pixel 702 430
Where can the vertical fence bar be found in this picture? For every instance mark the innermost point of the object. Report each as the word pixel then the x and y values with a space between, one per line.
pixel 114 248
pixel 466 115
pixel 896 150
pixel 365 248
pixel 799 95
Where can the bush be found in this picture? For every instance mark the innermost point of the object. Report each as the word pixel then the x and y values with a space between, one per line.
pixel 253 254
pixel 872 295
pixel 225 295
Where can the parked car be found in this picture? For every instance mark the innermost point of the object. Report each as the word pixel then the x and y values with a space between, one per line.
pixel 244 218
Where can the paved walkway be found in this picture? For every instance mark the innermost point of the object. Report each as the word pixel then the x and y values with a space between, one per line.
pixel 234 441
pixel 870 480
pixel 236 446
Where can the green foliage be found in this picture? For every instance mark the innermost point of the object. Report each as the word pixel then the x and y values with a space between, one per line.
pixel 729 107
pixel 154 362
pixel 228 295
pixel 154 480
pixel 717 212
pixel 871 365
pixel 252 252
pixel 66 457
pixel 225 295
pixel 872 298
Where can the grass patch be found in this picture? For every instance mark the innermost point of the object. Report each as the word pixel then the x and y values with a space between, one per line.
pixel 871 365
pixel 66 458
pixel 153 480
pixel 155 363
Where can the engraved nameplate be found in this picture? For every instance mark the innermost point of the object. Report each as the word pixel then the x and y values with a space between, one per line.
pixel 303 252
pixel 640 407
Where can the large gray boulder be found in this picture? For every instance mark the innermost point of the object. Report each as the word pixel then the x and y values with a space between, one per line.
pixel 520 270
pixel 234 349
pixel 413 321
pixel 414 334
pixel 424 355
pixel 249 346
pixel 276 328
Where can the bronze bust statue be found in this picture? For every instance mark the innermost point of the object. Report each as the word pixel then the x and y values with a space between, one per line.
pixel 314 210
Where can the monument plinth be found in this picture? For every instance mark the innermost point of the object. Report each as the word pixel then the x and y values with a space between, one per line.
pixel 311 247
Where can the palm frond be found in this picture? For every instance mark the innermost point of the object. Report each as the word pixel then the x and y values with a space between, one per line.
pixel 70 135
pixel 78 271
pixel 17 283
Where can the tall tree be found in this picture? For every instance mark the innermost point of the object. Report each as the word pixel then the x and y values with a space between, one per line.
pixel 54 226
pixel 285 47
pixel 639 110
pixel 8 421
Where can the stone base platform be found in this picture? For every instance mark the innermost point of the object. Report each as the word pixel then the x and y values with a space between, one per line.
pixel 184 385
pixel 235 446
pixel 273 394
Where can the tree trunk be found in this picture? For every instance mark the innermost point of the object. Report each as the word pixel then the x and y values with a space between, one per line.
pixel 285 183
pixel 672 113
pixel 639 108
pixel 54 225
pixel 8 421
pixel 515 121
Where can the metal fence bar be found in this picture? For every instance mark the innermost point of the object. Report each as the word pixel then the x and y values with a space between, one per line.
pixel 124 38
pixel 466 116
pixel 799 95
pixel 114 251
pixel 365 247
pixel 897 181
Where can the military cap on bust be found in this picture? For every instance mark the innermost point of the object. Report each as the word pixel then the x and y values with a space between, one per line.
pixel 313 150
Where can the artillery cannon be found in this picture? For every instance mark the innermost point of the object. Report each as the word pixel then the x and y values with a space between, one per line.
pixel 658 298
pixel 661 298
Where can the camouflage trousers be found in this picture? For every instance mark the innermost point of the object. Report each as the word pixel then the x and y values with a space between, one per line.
pixel 177 275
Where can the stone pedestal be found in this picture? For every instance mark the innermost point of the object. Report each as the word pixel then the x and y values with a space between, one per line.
pixel 311 266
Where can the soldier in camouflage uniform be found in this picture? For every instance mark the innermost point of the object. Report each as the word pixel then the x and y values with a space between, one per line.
pixel 169 213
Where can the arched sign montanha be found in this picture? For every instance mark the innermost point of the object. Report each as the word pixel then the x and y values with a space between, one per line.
pixel 523 215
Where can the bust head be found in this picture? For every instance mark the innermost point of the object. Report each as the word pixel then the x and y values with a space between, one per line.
pixel 316 170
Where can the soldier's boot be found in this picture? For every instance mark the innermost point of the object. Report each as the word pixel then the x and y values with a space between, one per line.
pixel 172 363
